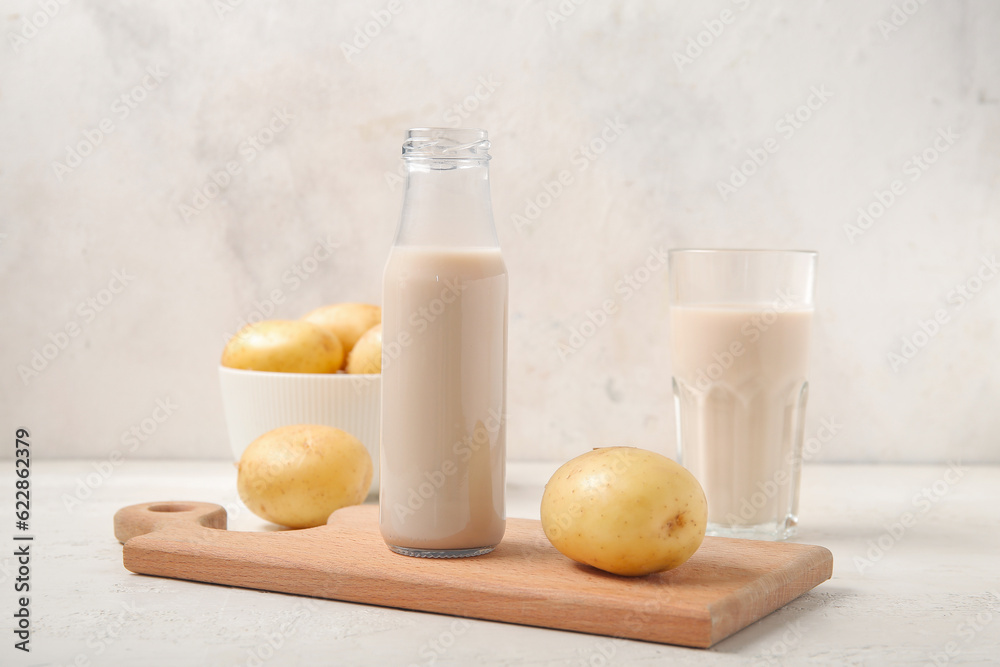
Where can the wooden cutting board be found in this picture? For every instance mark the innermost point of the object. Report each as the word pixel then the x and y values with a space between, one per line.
pixel 727 585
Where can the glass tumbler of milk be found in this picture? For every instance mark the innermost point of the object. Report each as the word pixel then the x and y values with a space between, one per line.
pixel 740 325
pixel 444 355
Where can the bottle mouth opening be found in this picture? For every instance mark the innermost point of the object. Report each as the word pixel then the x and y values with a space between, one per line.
pixel 445 143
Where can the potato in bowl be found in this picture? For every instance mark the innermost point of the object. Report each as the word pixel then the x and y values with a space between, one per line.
pixel 284 346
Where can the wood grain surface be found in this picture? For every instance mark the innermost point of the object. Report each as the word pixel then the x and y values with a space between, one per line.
pixel 727 585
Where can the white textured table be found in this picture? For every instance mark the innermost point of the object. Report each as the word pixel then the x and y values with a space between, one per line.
pixel 901 594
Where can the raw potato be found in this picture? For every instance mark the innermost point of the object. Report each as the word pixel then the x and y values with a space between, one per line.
pixel 625 510
pixel 297 476
pixel 284 346
pixel 366 357
pixel 347 321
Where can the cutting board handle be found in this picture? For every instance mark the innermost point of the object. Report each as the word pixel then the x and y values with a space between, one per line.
pixel 144 518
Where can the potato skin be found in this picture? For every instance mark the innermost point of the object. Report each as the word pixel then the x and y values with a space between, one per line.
pixel 284 346
pixel 298 475
pixel 624 510
pixel 366 356
pixel 347 321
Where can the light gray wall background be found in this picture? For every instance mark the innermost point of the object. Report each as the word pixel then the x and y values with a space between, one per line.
pixel 545 78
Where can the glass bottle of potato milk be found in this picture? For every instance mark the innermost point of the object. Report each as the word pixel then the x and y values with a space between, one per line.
pixel 444 359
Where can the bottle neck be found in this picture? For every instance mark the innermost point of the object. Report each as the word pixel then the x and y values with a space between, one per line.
pixel 446 203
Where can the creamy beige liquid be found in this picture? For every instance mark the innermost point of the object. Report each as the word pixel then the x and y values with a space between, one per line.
pixel 740 386
pixel 444 353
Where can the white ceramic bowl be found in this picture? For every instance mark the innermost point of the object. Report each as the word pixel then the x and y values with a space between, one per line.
pixel 256 402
